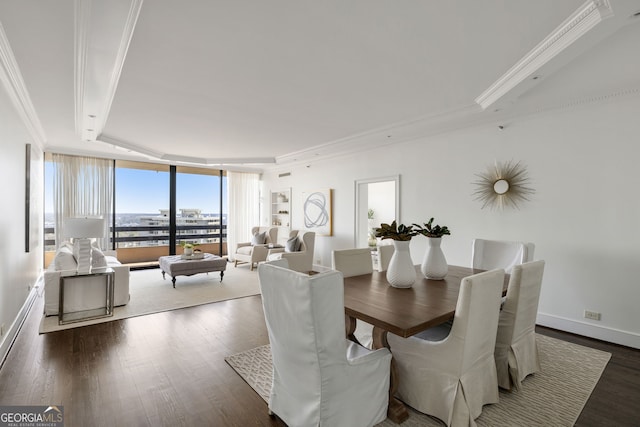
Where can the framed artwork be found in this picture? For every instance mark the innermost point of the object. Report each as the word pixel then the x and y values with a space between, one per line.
pixel 318 211
pixel 32 203
pixel 27 197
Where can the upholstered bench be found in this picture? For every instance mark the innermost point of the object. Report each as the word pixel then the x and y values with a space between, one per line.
pixel 175 265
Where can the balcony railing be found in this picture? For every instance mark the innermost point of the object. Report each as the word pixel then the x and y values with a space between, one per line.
pixel 140 243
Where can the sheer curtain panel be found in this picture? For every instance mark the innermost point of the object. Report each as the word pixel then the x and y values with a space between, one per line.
pixel 83 186
pixel 244 207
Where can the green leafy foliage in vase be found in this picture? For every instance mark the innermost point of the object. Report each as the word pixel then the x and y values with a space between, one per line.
pixel 395 232
pixel 187 245
pixel 429 230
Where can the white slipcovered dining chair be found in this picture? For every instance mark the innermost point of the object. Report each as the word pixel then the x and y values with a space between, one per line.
pixel 385 252
pixel 319 377
pixel 492 254
pixel 453 378
pixel 354 262
pixel 516 350
pixel 256 250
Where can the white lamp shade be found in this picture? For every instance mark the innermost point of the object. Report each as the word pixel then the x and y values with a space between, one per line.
pixel 84 227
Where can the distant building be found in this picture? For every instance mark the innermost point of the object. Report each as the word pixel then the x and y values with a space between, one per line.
pixel 190 217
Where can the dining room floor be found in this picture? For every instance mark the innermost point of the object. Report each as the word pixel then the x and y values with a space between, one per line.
pixel 130 360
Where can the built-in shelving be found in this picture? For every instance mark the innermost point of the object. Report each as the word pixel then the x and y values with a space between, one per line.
pixel 281 213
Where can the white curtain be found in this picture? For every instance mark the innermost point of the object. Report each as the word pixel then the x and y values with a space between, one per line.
pixel 83 186
pixel 244 208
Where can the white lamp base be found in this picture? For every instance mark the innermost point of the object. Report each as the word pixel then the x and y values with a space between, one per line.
pixel 82 253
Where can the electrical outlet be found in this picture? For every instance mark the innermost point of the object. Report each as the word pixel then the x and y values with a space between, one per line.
pixel 593 315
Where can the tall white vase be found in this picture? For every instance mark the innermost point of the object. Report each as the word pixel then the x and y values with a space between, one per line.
pixel 434 265
pixel 401 272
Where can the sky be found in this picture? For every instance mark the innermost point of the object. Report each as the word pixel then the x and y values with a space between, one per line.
pixel 144 191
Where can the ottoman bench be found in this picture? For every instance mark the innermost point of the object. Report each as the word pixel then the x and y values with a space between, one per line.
pixel 175 265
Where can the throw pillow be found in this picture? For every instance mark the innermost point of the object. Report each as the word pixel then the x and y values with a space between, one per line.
pixel 98 259
pixel 64 259
pixel 292 245
pixel 259 238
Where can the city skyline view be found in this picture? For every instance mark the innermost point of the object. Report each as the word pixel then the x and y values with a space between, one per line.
pixel 145 192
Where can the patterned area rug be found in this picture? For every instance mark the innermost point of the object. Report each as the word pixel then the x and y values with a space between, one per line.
pixel 553 397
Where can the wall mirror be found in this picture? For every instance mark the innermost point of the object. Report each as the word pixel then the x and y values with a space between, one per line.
pixel 502 185
pixel 377 201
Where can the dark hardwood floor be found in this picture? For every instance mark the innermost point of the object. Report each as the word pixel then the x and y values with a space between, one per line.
pixel 168 369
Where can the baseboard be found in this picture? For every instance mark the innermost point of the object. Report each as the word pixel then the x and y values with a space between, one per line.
pixel 616 336
pixel 12 332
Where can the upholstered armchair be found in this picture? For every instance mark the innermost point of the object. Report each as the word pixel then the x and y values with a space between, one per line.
pixel 256 251
pixel 320 378
pixel 452 376
pixel 298 251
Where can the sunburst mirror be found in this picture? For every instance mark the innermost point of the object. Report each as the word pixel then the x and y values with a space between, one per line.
pixel 503 185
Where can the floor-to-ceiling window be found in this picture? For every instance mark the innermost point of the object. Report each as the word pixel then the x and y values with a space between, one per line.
pixel 142 198
pixel 201 208
pixel 156 207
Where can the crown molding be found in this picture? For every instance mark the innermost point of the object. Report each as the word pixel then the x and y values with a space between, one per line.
pixel 94 91
pixel 127 146
pixel 82 14
pixel 125 41
pixel 12 80
pixel 175 158
pixel 386 135
pixel 573 28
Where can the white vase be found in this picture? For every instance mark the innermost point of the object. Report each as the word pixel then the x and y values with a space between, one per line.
pixel 401 272
pixel 188 251
pixel 434 266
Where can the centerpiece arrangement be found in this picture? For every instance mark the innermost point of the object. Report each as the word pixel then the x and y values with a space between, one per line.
pixel 401 273
pixel 188 248
pixel 434 265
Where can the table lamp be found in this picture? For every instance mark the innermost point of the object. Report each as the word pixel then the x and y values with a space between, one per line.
pixel 81 230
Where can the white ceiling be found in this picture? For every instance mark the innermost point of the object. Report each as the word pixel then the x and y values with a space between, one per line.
pixel 255 82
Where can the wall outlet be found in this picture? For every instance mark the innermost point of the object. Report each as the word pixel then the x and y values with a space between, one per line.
pixel 593 315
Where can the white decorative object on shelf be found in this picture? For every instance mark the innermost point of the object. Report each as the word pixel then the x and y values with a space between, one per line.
pixel 401 272
pixel 434 266
pixel 281 213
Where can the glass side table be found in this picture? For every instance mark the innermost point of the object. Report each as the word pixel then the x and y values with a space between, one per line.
pixel 76 316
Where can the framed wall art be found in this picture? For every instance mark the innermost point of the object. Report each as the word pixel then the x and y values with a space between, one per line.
pixel 317 211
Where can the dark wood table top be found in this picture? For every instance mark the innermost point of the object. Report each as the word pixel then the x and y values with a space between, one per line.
pixel 405 312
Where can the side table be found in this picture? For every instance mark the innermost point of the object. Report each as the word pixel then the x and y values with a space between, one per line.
pixel 76 316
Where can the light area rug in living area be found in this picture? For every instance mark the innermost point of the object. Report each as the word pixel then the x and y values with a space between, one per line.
pixel 555 396
pixel 151 294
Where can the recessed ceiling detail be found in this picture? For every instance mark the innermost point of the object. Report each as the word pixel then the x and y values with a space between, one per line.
pixel 202 81
pixel 574 27
pixel 100 49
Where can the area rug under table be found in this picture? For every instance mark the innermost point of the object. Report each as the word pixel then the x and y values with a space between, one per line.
pixel 553 397
pixel 150 293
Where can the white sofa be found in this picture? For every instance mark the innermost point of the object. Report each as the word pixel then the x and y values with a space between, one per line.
pixel 80 294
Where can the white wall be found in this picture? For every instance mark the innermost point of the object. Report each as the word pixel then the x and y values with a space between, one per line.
pixel 381 200
pixel 18 270
pixel 583 218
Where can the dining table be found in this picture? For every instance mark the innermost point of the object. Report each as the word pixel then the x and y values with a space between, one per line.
pixel 402 311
